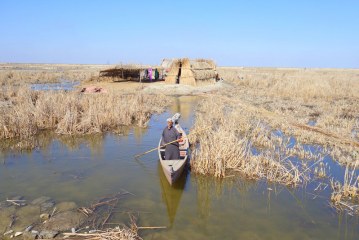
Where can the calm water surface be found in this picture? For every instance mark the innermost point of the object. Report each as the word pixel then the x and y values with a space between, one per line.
pixel 60 86
pixel 87 168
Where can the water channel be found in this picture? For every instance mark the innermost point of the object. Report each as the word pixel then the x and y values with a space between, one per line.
pixel 83 169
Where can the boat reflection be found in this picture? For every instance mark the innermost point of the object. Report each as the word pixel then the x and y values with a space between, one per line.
pixel 171 195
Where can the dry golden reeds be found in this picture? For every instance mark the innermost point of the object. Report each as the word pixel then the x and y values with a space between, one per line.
pixel 295 82
pixel 230 146
pixel 348 189
pixel 109 234
pixel 22 77
pixel 316 106
pixel 74 113
pixel 273 120
pixel 19 74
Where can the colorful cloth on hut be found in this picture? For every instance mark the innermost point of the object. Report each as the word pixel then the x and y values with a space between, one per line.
pixel 150 74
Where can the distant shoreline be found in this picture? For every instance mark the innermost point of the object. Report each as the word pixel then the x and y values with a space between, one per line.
pixel 222 67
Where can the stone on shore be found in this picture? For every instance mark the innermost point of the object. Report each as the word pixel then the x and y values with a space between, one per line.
pixel 44 216
pixel 65 206
pixel 45 203
pixel 26 216
pixel 29 236
pixel 5 217
pixel 48 234
pixel 64 221
pixel 40 200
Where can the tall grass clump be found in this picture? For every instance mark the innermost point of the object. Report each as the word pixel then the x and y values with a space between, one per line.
pixel 236 142
pixel 348 190
pixel 346 193
pixel 28 112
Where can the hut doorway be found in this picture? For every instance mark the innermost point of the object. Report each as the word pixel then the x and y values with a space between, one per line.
pixel 179 73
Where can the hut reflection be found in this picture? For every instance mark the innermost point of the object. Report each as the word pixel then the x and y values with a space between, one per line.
pixel 138 133
pixel 184 105
pixel 44 140
pixel 94 142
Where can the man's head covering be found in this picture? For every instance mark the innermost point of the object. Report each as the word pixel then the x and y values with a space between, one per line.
pixel 169 120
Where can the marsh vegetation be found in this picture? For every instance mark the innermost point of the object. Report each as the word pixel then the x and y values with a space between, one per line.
pixel 19 74
pixel 27 112
pixel 24 112
pixel 279 125
pixel 275 130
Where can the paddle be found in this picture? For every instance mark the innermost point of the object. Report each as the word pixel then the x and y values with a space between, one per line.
pixel 177 140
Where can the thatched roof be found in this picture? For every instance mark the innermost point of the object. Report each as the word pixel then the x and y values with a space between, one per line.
pixel 202 64
pixel 191 72
pixel 126 70
pixel 166 63
pixel 127 67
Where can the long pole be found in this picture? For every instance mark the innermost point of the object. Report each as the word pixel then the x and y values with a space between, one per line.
pixel 153 149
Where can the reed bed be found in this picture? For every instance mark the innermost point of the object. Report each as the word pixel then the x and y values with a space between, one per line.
pixel 296 82
pixel 316 106
pixel 28 112
pixel 239 143
pixel 23 77
pixel 345 194
pixel 349 190
pixel 273 120
pixel 18 74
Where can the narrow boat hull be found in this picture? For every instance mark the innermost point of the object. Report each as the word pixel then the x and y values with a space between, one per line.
pixel 171 171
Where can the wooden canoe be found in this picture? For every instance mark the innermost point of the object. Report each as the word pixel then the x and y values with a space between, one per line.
pixel 174 168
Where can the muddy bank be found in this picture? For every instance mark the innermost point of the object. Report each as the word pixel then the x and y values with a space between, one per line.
pixel 159 88
pixel 183 90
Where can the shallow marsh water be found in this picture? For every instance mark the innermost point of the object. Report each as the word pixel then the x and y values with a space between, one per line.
pixel 198 207
pixel 63 85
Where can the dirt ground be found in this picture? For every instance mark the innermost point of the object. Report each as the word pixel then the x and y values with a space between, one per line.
pixel 120 86
pixel 158 87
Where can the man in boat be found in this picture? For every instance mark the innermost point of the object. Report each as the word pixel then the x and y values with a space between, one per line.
pixel 171 134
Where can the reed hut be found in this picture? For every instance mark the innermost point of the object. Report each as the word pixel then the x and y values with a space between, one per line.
pixel 172 68
pixel 131 72
pixel 196 72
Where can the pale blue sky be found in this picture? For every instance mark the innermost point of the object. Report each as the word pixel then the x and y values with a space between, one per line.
pixel 306 33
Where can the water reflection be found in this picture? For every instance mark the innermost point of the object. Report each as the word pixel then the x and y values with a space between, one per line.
pixel 60 86
pixel 45 140
pixel 184 105
pixel 171 195
pixel 139 133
